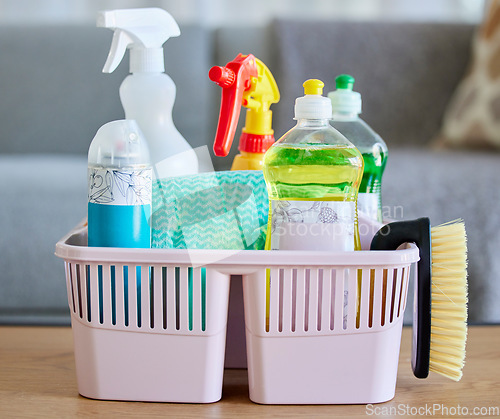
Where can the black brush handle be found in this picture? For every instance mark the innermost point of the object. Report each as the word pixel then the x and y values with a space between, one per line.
pixel 390 237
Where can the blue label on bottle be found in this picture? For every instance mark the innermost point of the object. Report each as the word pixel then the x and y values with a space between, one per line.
pixel 119 225
pixel 119 207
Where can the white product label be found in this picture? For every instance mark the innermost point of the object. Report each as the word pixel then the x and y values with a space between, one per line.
pixel 368 204
pixel 312 225
pixel 120 187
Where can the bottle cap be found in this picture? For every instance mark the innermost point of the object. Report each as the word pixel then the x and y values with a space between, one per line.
pixel 313 105
pixel 344 99
pixel 119 144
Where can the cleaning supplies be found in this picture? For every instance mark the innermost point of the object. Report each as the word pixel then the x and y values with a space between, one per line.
pixel 440 306
pixel 148 94
pixel 313 174
pixel 119 198
pixel 245 81
pixel 346 106
pixel 120 187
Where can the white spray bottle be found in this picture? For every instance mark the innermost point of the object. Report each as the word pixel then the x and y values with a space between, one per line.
pixel 148 94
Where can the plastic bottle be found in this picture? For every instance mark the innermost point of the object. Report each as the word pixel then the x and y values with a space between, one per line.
pixel 120 187
pixel 346 107
pixel 119 199
pixel 245 81
pixel 148 94
pixel 313 174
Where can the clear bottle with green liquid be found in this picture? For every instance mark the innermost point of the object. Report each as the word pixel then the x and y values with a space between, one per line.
pixel 313 174
pixel 346 107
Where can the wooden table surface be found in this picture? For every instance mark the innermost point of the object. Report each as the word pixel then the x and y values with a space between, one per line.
pixel 37 379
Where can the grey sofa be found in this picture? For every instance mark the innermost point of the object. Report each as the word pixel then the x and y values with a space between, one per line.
pixel 55 98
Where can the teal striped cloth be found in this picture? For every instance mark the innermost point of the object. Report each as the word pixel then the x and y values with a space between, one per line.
pixel 216 210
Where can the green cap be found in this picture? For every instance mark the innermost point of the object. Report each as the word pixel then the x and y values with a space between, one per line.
pixel 344 81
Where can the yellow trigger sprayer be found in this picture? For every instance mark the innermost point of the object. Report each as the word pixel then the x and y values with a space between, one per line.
pixel 245 81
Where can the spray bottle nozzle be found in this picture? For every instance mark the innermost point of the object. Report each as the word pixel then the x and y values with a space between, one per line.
pixel 223 76
pixel 144 31
pixel 247 82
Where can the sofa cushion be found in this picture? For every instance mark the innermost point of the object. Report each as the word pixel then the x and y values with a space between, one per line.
pixel 58 96
pixel 43 197
pixel 445 186
pixel 405 72
pixel 473 117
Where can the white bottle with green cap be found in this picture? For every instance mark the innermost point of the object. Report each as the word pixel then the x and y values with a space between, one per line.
pixel 346 107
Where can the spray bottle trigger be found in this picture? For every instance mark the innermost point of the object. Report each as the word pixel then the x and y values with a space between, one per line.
pixel 120 43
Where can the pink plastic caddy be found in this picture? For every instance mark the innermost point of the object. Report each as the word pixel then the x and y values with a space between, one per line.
pixel 330 334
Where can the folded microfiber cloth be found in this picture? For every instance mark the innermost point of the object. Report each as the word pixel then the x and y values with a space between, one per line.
pixel 216 210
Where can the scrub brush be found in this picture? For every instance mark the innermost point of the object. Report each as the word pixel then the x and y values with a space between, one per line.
pixel 440 306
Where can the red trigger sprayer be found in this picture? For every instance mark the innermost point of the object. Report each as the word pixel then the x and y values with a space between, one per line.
pixel 245 81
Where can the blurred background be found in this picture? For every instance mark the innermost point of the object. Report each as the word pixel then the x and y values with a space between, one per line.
pixel 409 60
pixel 213 13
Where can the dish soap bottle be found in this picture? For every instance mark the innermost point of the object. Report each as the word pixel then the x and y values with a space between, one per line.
pixel 313 174
pixel 346 107
pixel 148 94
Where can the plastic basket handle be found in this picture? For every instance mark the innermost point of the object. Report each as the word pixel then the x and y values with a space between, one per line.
pixel 390 237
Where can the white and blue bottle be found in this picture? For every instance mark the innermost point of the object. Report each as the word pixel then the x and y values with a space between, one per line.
pixel 119 187
pixel 119 199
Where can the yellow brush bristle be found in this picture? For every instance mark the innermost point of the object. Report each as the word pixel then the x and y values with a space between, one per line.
pixel 449 299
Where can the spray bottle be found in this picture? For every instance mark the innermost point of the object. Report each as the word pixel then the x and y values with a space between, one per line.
pixel 119 195
pixel 245 81
pixel 346 106
pixel 119 198
pixel 148 94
